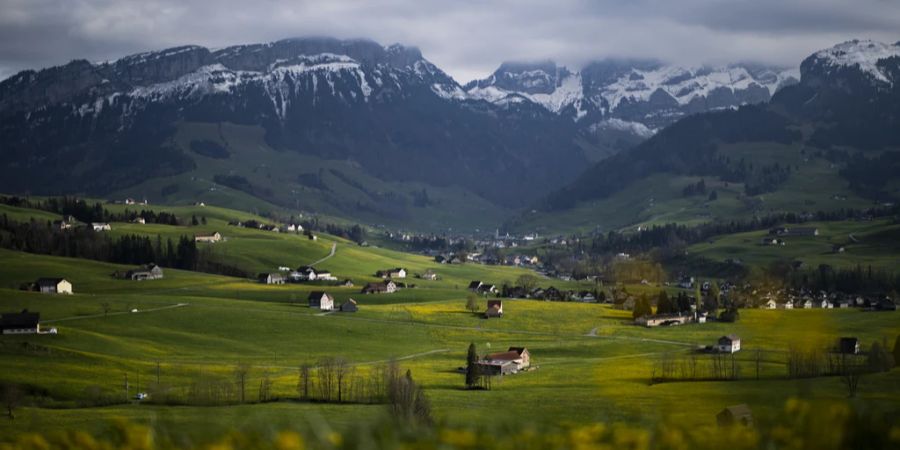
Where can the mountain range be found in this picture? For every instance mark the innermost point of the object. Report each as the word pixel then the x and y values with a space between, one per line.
pixel 380 134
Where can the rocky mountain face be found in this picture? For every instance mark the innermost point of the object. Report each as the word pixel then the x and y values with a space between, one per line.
pixel 95 128
pixel 635 96
pixel 847 102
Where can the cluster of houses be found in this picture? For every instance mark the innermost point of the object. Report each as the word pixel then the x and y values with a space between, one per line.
pixel 69 222
pixel 210 238
pixel 302 274
pixel 776 235
pixel 49 285
pixel 24 322
pixel 665 320
pixel 549 294
pixel 287 228
pixel 325 302
pixel 145 272
pixel 512 361
pixel 822 300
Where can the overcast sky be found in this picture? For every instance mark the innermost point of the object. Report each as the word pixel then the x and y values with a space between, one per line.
pixel 466 38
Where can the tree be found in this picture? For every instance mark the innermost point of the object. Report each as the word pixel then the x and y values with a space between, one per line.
pixel 194 220
pixel 303 381
pixel 342 371
pixel 472 302
pixel 641 307
pixel 528 282
pixel 713 196
pixel 472 374
pixel 240 377
pixel 664 305
pixel 12 397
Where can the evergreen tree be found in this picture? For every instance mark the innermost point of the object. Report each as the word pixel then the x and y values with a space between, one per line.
pixel 472 374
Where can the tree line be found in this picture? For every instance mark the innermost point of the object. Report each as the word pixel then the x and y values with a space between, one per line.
pixel 89 212
pixel 81 242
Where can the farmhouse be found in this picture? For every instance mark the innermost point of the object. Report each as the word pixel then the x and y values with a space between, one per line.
pixel 735 415
pixel 429 275
pixel 270 278
pixel 101 226
pixel 210 238
pixel 62 224
pixel 146 272
pixel 519 357
pixel 663 320
pixel 799 231
pixel 494 309
pixel 391 273
pixel 321 300
pixel 349 306
pixel 474 286
pixel 487 289
pixel 729 344
pixel 139 220
pixel 386 287
pixel 325 275
pixel 848 346
pixel 771 304
pixel 53 286
pixel 20 323
pixel 304 273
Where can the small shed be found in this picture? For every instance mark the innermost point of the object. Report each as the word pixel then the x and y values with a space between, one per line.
pixel 494 309
pixel 349 306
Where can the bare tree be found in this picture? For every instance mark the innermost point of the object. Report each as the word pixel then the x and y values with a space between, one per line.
pixel 241 370
pixel 265 387
pixel 12 398
pixel 342 370
pixel 304 381
pixel 850 371
pixel 326 376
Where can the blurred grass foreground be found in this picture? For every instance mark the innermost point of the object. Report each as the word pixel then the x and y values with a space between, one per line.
pixel 800 425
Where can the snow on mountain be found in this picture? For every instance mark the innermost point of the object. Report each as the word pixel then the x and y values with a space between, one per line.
pixel 863 54
pixel 635 85
pixel 686 84
pixel 635 128
pixel 564 92
pixel 283 80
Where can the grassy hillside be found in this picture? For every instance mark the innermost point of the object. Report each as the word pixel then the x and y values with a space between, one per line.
pixel 814 185
pixel 332 187
pixel 192 329
pixel 865 243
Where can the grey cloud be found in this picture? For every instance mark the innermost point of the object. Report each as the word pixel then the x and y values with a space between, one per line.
pixel 468 38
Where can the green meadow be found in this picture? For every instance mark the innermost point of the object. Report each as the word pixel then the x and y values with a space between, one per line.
pixel 591 363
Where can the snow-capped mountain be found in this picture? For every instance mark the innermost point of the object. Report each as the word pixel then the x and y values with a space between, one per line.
pixel 96 127
pixel 647 93
pixel 847 102
pixel 863 63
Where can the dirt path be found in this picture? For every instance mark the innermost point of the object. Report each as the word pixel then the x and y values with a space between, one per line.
pixel 94 316
pixel 333 249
